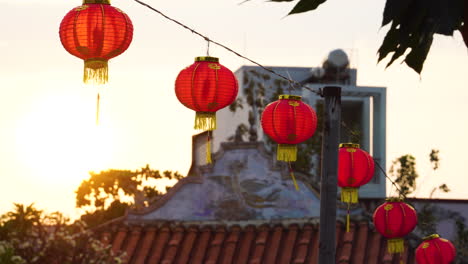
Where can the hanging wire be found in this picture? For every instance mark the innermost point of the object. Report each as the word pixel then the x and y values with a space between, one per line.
pixel 316 91
pixel 291 85
pixel 98 99
pixel 292 82
pixel 207 47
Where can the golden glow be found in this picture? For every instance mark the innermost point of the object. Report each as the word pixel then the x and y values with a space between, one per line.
pixel 58 139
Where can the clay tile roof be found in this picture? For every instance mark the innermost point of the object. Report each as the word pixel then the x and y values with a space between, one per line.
pixel 272 244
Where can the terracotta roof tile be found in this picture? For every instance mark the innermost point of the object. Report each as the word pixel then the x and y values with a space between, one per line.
pixel 271 244
pixel 346 245
pixel 119 239
pixel 303 244
pixel 202 245
pixel 374 248
pixel 187 245
pixel 360 243
pixel 145 247
pixel 259 245
pixel 312 258
pixel 227 257
pixel 173 245
pixel 132 243
pixel 245 245
pixel 216 246
pixel 159 245
pixel 289 244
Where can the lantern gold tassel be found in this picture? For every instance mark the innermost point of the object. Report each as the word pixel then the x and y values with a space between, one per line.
pixel 97 109
pixel 349 195
pixel 286 152
pixel 291 173
pixel 347 218
pixel 96 71
pixel 208 149
pixel 205 121
pixel 396 245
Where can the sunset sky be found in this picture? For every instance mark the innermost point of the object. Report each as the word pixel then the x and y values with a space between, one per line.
pixel 48 137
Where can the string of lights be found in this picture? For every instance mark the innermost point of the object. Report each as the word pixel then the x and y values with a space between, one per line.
pixel 292 82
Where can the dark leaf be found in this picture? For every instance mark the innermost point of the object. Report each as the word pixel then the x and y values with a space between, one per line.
pixel 415 59
pixel 389 43
pixel 394 10
pixel 306 5
pixel 398 52
pixel 448 15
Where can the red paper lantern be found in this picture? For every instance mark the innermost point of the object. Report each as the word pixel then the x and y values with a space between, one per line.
pixel 435 250
pixel 395 219
pixel 205 87
pixel 355 168
pixel 96 32
pixel 288 121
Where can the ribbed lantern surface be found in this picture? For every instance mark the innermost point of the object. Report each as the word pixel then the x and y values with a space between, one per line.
pixel 288 121
pixel 355 168
pixel 96 32
pixel 205 87
pixel 435 250
pixel 394 220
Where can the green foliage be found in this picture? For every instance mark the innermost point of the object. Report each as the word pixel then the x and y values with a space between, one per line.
pixel 20 221
pixel 434 158
pixel 413 25
pixel 48 238
pixel 7 254
pixel 461 241
pixel 106 195
pixel 427 220
pixel 403 169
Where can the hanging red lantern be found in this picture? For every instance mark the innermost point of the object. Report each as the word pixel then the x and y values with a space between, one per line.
pixel 288 121
pixel 96 32
pixel 435 250
pixel 205 87
pixel 355 168
pixel 395 219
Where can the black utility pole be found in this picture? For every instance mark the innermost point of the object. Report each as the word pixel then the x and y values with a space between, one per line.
pixel 328 184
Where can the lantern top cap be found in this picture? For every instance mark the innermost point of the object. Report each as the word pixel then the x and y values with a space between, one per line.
pixel 431 237
pixel 207 58
pixel 290 97
pixel 349 145
pixel 105 2
pixel 394 199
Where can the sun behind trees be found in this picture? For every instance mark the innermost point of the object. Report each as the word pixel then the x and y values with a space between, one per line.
pixel 107 194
